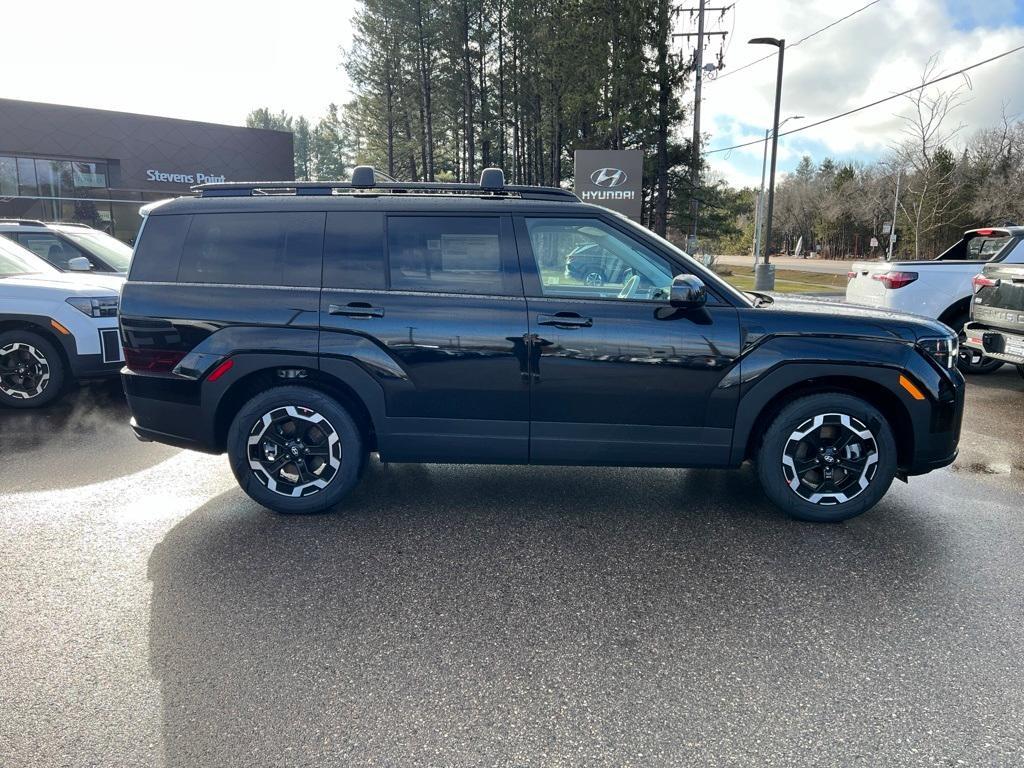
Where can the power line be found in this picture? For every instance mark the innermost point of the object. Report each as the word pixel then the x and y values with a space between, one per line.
pixel 801 40
pixel 873 103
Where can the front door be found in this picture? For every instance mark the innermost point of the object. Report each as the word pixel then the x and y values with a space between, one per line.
pixel 619 376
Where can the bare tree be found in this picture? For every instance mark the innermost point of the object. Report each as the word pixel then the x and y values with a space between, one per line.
pixel 930 170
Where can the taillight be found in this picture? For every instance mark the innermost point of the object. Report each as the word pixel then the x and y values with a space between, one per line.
pixel 850 275
pixel 979 281
pixel 152 360
pixel 893 280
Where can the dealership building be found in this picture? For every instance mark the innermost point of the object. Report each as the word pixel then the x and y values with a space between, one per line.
pixel 60 163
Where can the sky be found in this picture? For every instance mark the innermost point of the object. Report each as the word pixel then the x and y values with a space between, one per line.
pixel 879 51
pixel 218 59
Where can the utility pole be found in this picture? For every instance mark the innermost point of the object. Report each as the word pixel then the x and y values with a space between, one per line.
pixel 895 208
pixel 700 34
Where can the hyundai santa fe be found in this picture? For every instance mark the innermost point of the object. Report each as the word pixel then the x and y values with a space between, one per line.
pixel 301 326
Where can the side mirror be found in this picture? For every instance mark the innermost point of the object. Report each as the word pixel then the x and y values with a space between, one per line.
pixel 79 264
pixel 687 292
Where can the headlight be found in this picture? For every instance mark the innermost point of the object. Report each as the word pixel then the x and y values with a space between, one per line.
pixel 102 306
pixel 945 350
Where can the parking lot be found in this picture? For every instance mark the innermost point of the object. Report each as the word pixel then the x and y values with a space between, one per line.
pixel 151 614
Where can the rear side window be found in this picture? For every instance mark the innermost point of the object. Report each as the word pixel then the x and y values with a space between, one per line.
pixel 354 251
pixel 450 254
pixel 283 248
pixel 159 248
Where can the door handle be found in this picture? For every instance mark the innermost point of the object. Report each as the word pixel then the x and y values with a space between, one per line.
pixel 356 309
pixel 565 320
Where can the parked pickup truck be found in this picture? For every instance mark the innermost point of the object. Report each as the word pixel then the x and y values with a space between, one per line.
pixel 997 314
pixel 939 288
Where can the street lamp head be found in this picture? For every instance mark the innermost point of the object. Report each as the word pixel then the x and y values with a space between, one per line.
pixel 767 41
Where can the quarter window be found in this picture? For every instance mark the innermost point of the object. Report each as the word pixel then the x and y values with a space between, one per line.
pixel 254 249
pixel 586 258
pixel 449 254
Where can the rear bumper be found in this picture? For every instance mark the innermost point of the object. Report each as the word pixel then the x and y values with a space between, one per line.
pixel 993 342
pixel 168 410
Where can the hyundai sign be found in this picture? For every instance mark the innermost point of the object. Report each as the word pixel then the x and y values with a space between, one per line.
pixel 612 178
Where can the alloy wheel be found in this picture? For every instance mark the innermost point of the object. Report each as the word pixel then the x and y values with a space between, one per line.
pixel 294 451
pixel 24 371
pixel 830 459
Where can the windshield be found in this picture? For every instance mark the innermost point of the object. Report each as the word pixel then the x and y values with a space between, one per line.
pixel 699 269
pixel 103 246
pixel 15 260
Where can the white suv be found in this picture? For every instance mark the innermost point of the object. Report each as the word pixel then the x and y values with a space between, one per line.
pixel 53 328
pixel 69 247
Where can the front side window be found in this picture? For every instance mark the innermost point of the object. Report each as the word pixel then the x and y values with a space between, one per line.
pixel 254 249
pixel 448 254
pixel 586 258
pixel 54 249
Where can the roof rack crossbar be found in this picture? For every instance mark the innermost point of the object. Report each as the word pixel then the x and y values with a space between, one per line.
pixel 492 185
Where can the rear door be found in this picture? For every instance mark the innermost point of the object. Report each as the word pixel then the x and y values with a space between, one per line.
pixel 432 307
pixel 619 376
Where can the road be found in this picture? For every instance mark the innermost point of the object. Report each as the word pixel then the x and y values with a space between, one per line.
pixel 151 615
pixel 824 266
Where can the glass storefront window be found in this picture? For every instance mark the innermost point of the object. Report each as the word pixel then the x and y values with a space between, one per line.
pixel 90 175
pixel 27 177
pixel 47 179
pixel 8 177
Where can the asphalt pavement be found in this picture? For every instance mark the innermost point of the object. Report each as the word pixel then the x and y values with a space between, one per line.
pixel 152 615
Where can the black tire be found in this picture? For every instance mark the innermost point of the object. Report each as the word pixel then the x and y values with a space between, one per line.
pixel 32 372
pixel 1020 370
pixel 966 362
pixel 593 278
pixel 337 463
pixel 853 463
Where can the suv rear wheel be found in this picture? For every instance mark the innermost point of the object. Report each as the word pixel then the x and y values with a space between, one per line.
pixel 827 457
pixel 295 450
pixel 31 370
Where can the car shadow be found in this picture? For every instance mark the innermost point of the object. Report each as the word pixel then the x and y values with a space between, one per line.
pixel 474 615
pixel 82 438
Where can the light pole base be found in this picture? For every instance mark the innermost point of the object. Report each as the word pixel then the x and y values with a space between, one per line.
pixel 764 277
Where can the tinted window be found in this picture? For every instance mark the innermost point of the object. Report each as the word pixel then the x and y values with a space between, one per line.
pixel 159 249
pixel 253 249
pixel 354 251
pixel 449 254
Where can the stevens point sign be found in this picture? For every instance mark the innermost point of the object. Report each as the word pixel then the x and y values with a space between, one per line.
pixel 612 178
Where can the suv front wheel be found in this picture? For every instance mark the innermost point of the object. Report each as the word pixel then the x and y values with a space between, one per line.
pixel 295 450
pixel 31 370
pixel 827 457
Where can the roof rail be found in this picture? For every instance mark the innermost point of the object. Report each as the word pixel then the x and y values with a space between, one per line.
pixel 364 182
pixel 24 222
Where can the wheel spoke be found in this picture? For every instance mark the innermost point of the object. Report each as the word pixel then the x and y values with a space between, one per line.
pixel 802 466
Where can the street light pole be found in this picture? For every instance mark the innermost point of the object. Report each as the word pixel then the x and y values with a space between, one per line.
pixel 758 216
pixel 764 274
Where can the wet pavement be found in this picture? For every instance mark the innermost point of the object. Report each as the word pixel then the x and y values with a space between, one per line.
pixel 150 614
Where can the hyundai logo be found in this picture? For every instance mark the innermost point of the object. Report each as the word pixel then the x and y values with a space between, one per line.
pixel 608 177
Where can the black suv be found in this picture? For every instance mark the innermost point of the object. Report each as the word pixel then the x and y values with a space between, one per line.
pixel 301 326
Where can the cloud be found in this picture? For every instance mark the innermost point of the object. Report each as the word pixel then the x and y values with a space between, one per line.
pixel 878 52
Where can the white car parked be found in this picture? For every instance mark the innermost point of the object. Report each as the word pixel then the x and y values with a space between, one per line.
pixel 940 288
pixel 54 328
